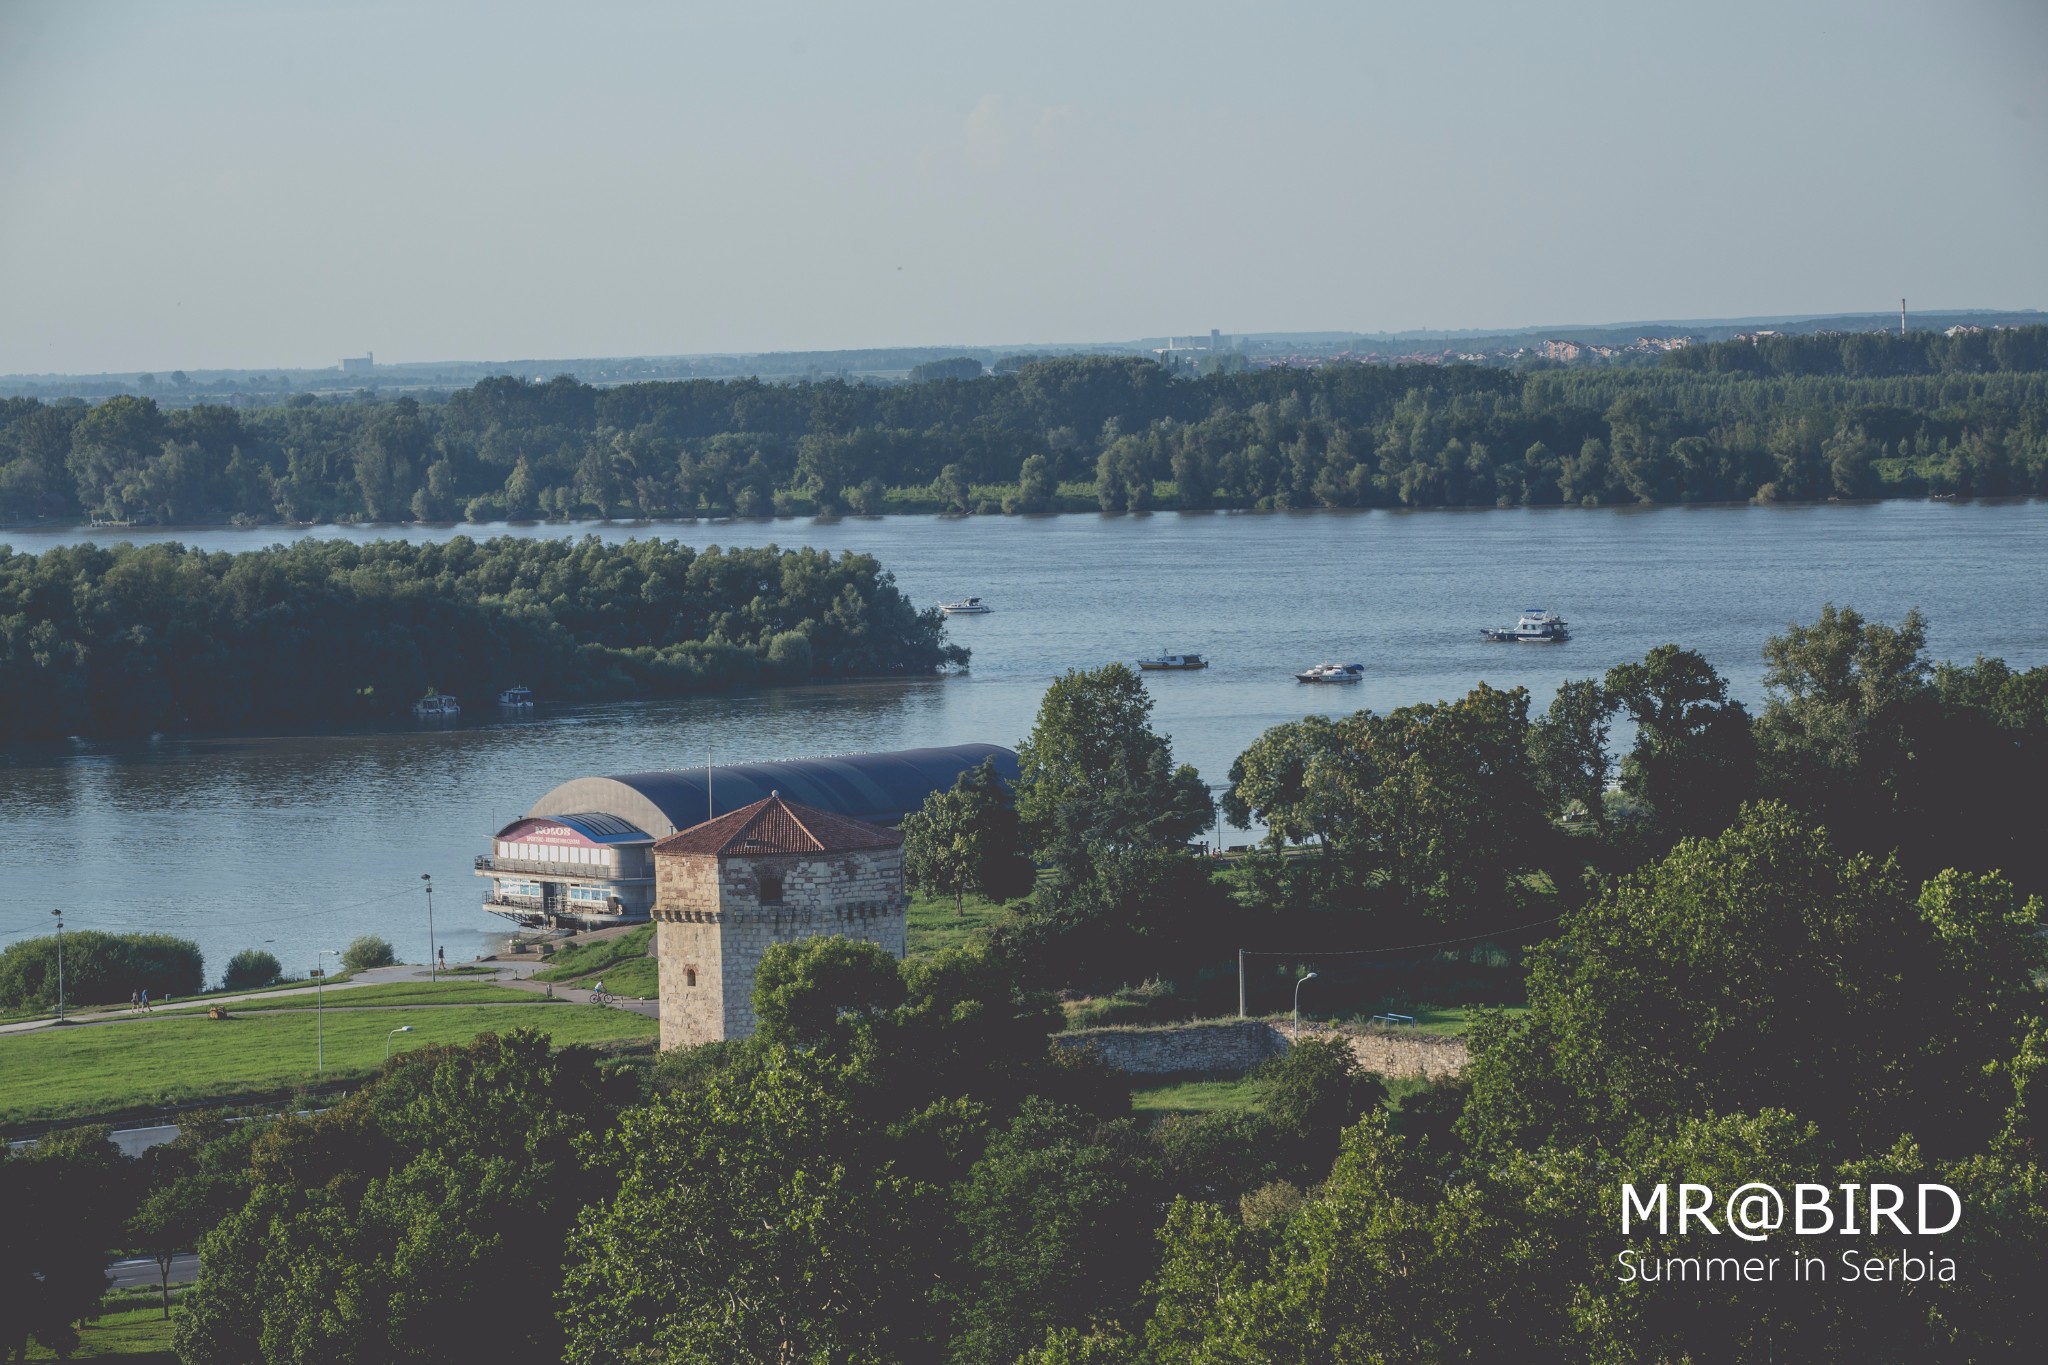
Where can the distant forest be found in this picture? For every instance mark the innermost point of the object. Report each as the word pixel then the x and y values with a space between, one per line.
pixel 126 640
pixel 1777 419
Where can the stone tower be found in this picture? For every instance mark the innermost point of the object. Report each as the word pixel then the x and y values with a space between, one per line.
pixel 772 872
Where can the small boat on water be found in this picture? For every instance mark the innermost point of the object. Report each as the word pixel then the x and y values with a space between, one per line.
pixel 1165 662
pixel 966 606
pixel 1332 673
pixel 517 698
pixel 1537 627
pixel 436 706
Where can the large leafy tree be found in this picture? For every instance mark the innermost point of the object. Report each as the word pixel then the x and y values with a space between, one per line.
pixel 759 1216
pixel 1568 747
pixel 1694 759
pixel 1848 698
pixel 1095 775
pixel 66 1199
pixel 1766 968
pixel 1286 780
pixel 1058 1219
pixel 967 840
pixel 420 1219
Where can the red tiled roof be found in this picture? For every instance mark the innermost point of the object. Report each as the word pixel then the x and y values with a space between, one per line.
pixel 778 826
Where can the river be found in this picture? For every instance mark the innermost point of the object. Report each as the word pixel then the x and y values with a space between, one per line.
pixel 301 842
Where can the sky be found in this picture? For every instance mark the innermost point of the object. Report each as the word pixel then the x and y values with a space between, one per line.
pixel 227 183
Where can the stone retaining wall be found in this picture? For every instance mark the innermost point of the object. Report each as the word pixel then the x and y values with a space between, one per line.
pixel 1234 1046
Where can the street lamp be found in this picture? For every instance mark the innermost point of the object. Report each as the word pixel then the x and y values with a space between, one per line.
pixel 402 1028
pixel 320 1008
pixel 428 878
pixel 60 964
pixel 1297 1004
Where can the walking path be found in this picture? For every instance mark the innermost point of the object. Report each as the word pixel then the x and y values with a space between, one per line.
pixel 508 974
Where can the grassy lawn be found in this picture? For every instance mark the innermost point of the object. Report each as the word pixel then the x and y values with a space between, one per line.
pixel 1194 1097
pixel 102 1068
pixel 604 955
pixel 392 993
pixel 78 1011
pixel 933 925
pixel 136 1336
pixel 1452 1020
pixel 1209 1097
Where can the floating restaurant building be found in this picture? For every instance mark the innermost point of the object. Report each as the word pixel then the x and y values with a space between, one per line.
pixel 583 855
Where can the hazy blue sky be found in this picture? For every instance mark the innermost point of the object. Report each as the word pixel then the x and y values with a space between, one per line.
pixel 221 183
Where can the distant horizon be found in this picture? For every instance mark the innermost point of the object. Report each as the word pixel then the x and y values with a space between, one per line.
pixel 233 184
pixel 1024 347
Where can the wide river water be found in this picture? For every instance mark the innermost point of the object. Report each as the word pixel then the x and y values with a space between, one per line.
pixel 301 842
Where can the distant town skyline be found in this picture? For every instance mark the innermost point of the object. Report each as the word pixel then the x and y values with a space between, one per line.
pixel 232 184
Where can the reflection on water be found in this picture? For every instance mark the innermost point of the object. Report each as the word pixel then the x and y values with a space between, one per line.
pixel 302 842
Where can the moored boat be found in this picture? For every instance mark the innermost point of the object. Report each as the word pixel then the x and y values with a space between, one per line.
pixel 1164 662
pixel 518 698
pixel 1536 627
pixel 436 706
pixel 966 606
pixel 1332 673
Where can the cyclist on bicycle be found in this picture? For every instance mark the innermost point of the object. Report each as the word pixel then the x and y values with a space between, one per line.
pixel 598 994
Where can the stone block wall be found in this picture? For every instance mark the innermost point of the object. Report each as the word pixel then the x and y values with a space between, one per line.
pixel 1233 1047
pixel 1230 1047
pixel 713 922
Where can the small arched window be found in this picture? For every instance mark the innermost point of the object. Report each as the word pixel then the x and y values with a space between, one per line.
pixel 771 888
pixel 689 976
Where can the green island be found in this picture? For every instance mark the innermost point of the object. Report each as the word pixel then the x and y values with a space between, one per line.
pixel 126 640
pixel 1802 944
pixel 1774 419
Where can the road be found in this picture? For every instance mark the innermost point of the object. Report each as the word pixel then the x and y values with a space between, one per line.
pixel 143 1272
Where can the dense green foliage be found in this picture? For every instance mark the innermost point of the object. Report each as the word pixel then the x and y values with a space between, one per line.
pixel 904 1165
pixel 367 951
pixel 967 840
pixel 250 968
pixel 1442 813
pixel 420 1219
pixel 65 1201
pixel 124 639
pixel 99 969
pixel 1786 418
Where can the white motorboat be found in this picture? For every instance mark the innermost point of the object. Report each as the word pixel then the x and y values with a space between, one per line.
pixel 1171 662
pixel 518 698
pixel 1332 673
pixel 966 606
pixel 436 706
pixel 1536 627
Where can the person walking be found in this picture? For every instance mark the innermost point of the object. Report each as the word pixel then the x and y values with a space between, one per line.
pixel 134 1001
pixel 145 1001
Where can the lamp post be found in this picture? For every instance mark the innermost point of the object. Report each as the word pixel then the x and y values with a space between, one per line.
pixel 432 971
pixel 402 1028
pixel 1297 1004
pixel 320 1008
pixel 60 964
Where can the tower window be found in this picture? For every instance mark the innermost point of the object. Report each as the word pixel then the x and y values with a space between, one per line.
pixel 771 888
pixel 689 976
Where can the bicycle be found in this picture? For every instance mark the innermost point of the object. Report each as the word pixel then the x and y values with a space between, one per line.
pixel 603 998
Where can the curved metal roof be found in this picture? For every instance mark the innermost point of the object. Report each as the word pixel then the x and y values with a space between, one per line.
pixel 882 787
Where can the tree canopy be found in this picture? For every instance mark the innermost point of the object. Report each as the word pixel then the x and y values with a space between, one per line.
pixel 1783 418
pixel 129 639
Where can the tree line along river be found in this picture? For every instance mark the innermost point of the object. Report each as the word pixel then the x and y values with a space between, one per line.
pixel 301 842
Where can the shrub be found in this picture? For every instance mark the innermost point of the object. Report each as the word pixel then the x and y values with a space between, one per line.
pixel 367 952
pixel 250 968
pixel 99 969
